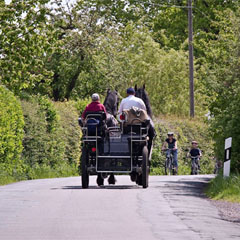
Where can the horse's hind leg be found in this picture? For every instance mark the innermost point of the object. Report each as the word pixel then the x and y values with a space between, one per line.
pixel 100 180
pixel 112 179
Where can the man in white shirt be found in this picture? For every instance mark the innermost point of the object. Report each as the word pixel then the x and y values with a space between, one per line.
pixel 131 101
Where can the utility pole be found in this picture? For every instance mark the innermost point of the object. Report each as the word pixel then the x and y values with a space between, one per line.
pixel 191 67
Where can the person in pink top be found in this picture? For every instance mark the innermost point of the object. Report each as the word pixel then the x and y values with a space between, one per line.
pixel 94 106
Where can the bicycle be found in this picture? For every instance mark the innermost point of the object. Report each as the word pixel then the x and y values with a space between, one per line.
pixel 194 165
pixel 169 163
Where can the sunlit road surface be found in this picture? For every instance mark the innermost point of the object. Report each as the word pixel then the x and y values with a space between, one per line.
pixel 58 209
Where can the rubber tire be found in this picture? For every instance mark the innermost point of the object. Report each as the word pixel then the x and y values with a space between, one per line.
pixel 174 171
pixel 145 167
pixel 167 170
pixel 194 169
pixel 84 172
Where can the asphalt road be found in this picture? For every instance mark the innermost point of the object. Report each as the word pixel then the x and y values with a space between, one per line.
pixel 58 209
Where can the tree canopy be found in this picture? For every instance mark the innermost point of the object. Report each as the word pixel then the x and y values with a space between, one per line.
pixel 70 50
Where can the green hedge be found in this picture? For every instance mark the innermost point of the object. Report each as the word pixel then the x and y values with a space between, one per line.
pixel 185 131
pixel 11 134
pixel 52 138
pixel 39 138
pixel 70 131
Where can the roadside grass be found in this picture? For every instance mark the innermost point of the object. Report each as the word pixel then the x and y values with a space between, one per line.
pixel 45 171
pixel 6 180
pixel 227 189
pixel 41 172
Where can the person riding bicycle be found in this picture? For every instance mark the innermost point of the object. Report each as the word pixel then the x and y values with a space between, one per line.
pixel 170 146
pixel 195 152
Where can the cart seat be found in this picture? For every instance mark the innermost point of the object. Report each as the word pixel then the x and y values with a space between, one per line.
pixel 136 120
pixel 95 123
pixel 141 128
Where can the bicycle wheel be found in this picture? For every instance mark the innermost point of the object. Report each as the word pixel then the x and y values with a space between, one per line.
pixel 173 169
pixel 194 168
pixel 167 167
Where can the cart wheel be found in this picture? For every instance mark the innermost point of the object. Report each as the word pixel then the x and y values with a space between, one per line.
pixel 145 167
pixel 84 172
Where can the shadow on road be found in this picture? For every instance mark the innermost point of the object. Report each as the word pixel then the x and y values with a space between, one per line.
pixel 110 187
pixel 194 188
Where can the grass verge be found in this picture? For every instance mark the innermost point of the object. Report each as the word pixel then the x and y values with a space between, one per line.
pixel 6 180
pixel 227 189
pixel 41 172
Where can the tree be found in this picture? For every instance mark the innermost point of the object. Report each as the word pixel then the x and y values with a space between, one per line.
pixel 224 79
pixel 133 57
pixel 167 20
pixel 72 62
pixel 26 39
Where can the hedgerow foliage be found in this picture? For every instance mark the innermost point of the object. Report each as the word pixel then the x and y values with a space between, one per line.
pixel 11 132
pixel 69 130
pixel 185 132
pixel 52 138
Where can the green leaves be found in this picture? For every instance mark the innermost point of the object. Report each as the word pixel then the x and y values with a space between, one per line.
pixel 25 44
pixel 225 75
pixel 11 131
pixel 52 135
pixel 133 57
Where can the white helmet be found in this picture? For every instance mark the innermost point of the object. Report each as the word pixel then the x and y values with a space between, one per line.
pixel 95 97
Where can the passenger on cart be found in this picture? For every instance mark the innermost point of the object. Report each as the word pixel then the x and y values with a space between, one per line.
pixel 135 103
pixel 131 101
pixel 94 106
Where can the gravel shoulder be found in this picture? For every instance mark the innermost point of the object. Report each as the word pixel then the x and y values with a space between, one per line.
pixel 228 211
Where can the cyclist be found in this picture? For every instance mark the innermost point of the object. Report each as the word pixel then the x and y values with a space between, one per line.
pixel 170 146
pixel 195 152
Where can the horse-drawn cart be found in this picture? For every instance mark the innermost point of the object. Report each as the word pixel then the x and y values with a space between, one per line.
pixel 122 149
